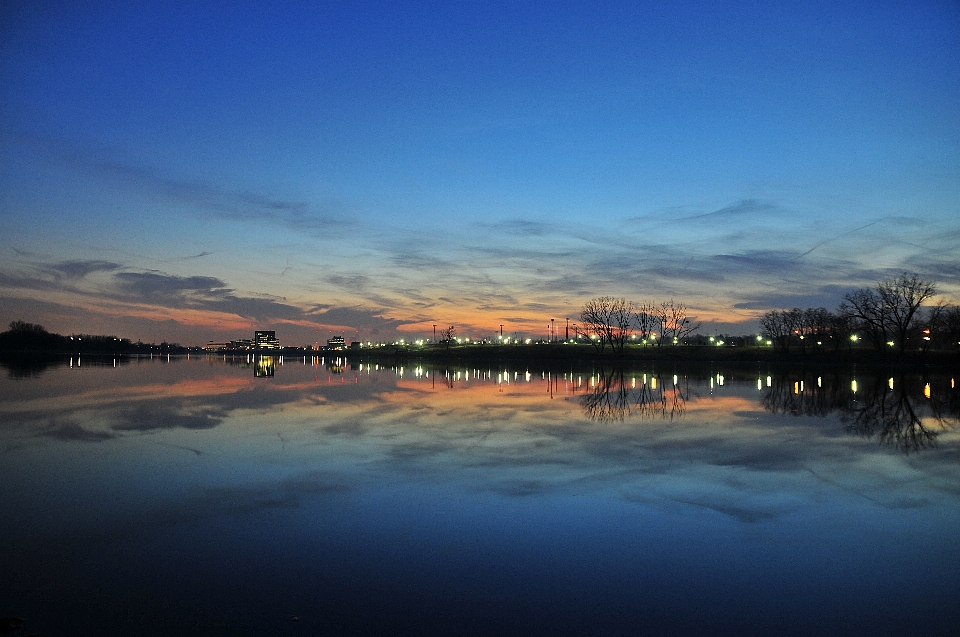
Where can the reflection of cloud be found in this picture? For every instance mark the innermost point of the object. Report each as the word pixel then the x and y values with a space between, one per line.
pixel 229 501
pixel 146 417
pixel 521 439
pixel 522 488
pixel 71 431
pixel 749 516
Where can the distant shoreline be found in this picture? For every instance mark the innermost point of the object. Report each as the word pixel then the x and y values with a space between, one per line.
pixel 585 354
pixel 546 354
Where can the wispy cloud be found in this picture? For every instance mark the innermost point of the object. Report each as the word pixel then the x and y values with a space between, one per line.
pixel 199 292
pixel 365 319
pixel 153 284
pixel 744 207
pixel 109 165
pixel 81 268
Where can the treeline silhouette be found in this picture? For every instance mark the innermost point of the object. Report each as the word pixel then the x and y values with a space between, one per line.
pixel 895 316
pixel 28 338
pixel 891 317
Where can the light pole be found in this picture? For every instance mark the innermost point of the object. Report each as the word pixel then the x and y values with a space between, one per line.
pixel 434 332
pixel 553 333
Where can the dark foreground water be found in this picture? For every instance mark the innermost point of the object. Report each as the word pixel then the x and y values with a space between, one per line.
pixel 218 497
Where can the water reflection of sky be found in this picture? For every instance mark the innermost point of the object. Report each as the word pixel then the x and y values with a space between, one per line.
pixel 445 500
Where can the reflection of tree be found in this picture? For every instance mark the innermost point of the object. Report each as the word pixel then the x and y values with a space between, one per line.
pixel 27 366
pixel 31 365
pixel 609 399
pixel 804 395
pixel 894 415
pixel 899 411
pixel 614 398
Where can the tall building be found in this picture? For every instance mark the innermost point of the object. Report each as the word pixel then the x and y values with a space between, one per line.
pixel 264 339
pixel 336 342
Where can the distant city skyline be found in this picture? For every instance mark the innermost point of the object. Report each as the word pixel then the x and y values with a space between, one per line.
pixel 188 172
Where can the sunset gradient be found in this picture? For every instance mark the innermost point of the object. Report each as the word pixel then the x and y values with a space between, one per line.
pixel 194 171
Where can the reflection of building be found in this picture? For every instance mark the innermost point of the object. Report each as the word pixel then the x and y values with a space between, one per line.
pixel 336 342
pixel 263 339
pixel 265 367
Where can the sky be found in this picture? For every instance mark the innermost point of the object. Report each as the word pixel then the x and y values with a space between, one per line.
pixel 192 171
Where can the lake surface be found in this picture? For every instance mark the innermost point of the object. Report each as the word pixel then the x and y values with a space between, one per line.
pixel 218 496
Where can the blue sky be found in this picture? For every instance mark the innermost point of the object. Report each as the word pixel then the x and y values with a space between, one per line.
pixel 190 171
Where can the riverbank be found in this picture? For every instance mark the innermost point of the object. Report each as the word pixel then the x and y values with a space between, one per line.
pixel 550 353
pixel 541 355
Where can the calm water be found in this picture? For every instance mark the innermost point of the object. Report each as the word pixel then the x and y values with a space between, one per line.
pixel 211 496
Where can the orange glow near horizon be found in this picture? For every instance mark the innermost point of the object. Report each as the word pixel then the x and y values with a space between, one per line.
pixel 473 323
